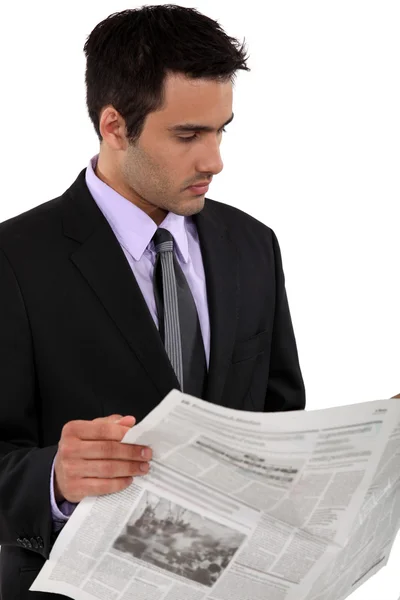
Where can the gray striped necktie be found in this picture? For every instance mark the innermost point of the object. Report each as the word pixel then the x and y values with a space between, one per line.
pixel 178 320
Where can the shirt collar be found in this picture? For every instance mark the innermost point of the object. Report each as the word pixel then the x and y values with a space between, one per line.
pixel 131 225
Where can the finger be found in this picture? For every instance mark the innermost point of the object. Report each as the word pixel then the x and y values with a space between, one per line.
pixel 105 469
pixel 104 449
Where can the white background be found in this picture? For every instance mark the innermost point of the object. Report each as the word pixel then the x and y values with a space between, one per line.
pixel 313 152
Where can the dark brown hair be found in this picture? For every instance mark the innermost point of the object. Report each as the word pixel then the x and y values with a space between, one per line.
pixel 129 54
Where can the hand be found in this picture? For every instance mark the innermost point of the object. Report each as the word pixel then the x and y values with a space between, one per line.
pixel 91 461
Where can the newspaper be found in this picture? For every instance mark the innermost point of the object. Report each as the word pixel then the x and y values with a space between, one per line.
pixel 301 505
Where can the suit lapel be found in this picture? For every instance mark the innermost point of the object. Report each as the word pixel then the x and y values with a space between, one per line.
pixel 103 264
pixel 221 270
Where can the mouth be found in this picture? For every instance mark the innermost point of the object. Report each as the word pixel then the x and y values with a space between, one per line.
pixel 199 189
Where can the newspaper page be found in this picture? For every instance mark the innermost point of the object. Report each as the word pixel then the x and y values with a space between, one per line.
pixel 239 506
pixel 373 533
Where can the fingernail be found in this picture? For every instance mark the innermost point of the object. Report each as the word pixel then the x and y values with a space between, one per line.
pixel 120 419
pixel 145 453
pixel 144 467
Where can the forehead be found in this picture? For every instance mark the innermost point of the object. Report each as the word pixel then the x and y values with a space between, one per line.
pixel 193 100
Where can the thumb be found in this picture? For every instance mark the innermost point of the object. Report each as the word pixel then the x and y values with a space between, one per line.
pixel 110 418
pixel 127 421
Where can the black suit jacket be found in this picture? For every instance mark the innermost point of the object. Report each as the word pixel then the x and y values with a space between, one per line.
pixel 77 342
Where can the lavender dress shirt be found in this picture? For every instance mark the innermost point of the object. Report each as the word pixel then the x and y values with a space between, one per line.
pixel 134 231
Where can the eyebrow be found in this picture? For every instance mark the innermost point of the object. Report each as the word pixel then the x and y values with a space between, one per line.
pixel 184 127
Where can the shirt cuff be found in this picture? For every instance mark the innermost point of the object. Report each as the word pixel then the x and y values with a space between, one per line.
pixel 60 512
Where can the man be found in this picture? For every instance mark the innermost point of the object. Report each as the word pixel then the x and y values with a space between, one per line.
pixel 131 284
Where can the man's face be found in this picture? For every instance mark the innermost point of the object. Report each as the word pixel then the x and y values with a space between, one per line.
pixel 158 169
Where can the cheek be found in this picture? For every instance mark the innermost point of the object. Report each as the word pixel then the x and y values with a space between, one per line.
pixel 174 173
pixel 172 167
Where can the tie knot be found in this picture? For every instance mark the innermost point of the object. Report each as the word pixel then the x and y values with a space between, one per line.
pixel 163 240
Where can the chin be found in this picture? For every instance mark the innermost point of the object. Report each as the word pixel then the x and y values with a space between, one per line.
pixel 188 209
pixel 195 208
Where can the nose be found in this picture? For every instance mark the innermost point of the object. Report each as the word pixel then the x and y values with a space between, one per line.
pixel 210 160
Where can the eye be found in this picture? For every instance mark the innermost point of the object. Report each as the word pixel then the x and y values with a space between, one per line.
pixel 193 137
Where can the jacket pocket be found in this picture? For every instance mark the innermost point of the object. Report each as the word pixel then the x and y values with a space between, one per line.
pixel 250 348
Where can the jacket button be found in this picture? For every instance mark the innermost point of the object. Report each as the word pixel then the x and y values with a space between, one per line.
pixel 40 542
pixel 34 542
pixel 27 543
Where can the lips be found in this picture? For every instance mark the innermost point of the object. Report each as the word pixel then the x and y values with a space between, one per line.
pixel 200 189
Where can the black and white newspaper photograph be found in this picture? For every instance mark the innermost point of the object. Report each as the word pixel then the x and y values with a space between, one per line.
pixel 181 541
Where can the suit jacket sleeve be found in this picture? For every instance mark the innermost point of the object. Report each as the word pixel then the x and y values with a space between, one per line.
pixel 25 468
pixel 285 385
